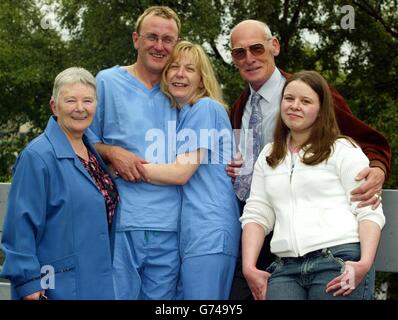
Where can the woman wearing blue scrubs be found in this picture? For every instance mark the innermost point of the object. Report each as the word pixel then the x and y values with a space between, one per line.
pixel 61 204
pixel 209 223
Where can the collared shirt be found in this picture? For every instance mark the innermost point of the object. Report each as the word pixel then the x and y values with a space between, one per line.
pixel 270 92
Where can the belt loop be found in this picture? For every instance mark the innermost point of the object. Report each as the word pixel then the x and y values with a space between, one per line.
pixel 325 251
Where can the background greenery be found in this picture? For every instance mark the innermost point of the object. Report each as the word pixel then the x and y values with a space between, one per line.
pixel 362 63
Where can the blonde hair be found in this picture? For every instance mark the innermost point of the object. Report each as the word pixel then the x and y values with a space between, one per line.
pixel 159 11
pixel 211 88
pixel 70 76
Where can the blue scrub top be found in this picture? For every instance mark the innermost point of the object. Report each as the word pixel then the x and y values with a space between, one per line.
pixel 142 121
pixel 210 212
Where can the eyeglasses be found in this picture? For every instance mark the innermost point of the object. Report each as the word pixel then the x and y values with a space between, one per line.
pixel 255 49
pixel 154 38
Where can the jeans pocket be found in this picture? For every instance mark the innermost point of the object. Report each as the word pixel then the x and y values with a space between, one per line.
pixel 274 266
pixel 345 252
pixel 340 262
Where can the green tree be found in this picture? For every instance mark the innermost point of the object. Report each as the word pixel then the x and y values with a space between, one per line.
pixel 372 70
pixel 29 58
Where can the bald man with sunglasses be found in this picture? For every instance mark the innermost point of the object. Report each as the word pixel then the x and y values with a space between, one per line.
pixel 253 50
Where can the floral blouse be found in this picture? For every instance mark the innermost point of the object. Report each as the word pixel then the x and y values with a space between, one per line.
pixel 104 183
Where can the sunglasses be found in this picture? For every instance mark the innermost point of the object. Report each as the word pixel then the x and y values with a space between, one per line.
pixel 255 49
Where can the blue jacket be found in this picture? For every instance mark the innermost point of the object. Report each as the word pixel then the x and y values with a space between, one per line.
pixel 55 230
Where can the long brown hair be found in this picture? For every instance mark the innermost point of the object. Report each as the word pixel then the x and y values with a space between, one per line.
pixel 324 132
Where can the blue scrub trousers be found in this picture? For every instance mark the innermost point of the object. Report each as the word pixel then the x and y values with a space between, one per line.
pixel 146 265
pixel 207 277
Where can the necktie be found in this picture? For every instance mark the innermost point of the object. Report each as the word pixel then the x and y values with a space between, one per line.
pixel 253 143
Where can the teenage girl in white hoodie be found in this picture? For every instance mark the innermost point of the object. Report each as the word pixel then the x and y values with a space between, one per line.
pixel 324 244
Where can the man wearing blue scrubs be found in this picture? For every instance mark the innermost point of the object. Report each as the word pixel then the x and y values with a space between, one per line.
pixel 131 111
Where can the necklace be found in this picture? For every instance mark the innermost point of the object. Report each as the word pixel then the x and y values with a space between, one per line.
pixel 81 150
pixel 294 147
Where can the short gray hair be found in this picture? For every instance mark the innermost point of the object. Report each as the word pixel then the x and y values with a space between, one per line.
pixel 268 32
pixel 70 76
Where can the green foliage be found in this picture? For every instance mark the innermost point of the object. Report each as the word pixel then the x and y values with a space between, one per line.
pixel 30 57
pixel 371 71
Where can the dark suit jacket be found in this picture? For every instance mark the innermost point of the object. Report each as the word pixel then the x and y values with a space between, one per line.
pixel 372 142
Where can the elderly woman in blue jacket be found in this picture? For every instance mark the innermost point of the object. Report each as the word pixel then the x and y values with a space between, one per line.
pixel 61 204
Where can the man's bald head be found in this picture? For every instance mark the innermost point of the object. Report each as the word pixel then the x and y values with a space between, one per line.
pixel 250 24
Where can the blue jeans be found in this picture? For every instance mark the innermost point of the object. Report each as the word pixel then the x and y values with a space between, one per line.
pixel 305 278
